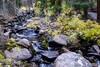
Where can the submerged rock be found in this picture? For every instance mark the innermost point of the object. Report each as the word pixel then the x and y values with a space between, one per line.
pixel 71 59
pixel 24 43
pixel 18 54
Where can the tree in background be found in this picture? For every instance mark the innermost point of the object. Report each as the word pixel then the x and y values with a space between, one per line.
pixel 98 11
pixel 7 8
pixel 82 4
pixel 18 3
pixel 53 5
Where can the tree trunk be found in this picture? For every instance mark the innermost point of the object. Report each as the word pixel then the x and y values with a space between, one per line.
pixel 85 10
pixel 7 7
pixel 98 11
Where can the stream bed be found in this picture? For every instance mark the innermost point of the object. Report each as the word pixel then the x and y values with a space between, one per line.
pixel 41 56
pixel 44 54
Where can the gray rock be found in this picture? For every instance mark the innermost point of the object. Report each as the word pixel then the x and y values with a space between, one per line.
pixel 92 15
pixel 71 59
pixel 24 43
pixel 18 54
pixel 50 54
pixel 60 39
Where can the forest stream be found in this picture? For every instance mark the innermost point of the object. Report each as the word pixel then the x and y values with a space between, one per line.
pixel 36 48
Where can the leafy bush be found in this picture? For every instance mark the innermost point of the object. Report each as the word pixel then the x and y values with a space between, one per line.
pixel 71 25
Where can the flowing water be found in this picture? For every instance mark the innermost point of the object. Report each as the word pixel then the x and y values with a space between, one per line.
pixel 19 31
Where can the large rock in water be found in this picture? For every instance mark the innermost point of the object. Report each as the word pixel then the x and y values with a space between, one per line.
pixel 71 59
pixel 18 54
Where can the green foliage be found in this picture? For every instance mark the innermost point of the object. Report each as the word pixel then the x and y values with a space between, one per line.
pixel 7 61
pixel 92 30
pixel 98 41
pixel 12 40
pixel 81 4
pixel 74 27
pixel 19 2
pixel 44 44
pixel 1 58
pixel 11 44
pixel 51 5
pixel 85 29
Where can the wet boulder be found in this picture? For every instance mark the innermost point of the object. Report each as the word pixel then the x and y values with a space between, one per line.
pixel 71 59
pixel 18 54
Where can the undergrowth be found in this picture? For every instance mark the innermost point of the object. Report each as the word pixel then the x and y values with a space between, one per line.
pixel 72 25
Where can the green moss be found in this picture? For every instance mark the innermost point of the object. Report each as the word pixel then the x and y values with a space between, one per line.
pixel 12 40
pixel 8 44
